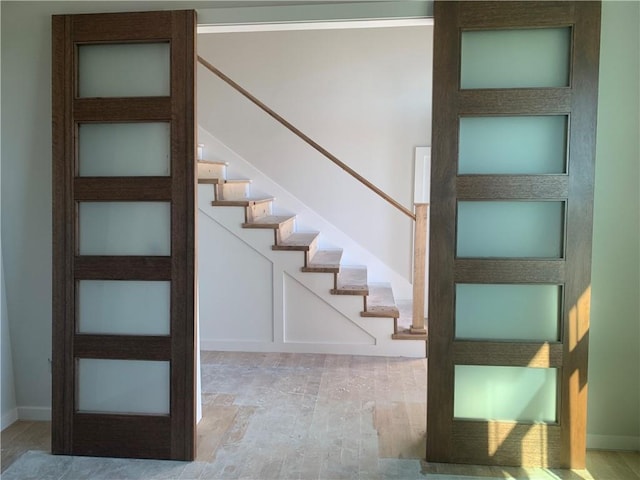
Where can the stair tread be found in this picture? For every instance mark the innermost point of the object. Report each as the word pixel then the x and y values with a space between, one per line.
pixel 213 162
pixel 238 180
pixel 220 181
pixel 210 181
pixel 297 241
pixel 352 281
pixel 380 302
pixel 241 203
pixel 271 221
pixel 325 261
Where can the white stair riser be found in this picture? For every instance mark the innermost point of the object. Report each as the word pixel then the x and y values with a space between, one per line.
pixel 232 191
pixel 285 230
pixel 258 210
pixel 311 252
pixel 212 170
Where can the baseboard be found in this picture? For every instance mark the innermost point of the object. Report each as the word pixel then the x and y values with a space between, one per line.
pixel 8 418
pixel 392 349
pixel 613 442
pixel 38 414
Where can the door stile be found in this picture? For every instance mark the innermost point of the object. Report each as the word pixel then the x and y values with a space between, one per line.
pixel 63 233
pixel 579 231
pixel 183 265
pixel 442 236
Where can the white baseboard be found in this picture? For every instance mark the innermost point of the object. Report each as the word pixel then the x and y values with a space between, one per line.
pixel 613 442
pixel 8 418
pixel 39 414
pixel 411 349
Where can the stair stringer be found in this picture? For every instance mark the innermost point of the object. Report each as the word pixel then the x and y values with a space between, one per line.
pixel 375 333
pixel 354 253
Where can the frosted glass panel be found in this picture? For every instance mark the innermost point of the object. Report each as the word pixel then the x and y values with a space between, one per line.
pixel 510 229
pixel 123 386
pixel 124 149
pixel 124 70
pixel 125 228
pixel 512 145
pixel 515 58
pixel 507 312
pixel 123 307
pixel 505 393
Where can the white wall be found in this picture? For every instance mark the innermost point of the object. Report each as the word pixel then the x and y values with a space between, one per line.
pixel 8 408
pixel 363 94
pixel 614 354
pixel 26 198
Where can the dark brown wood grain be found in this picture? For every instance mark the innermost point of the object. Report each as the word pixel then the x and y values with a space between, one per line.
pixel 63 236
pixel 148 109
pixel 122 188
pixel 478 270
pixel 442 233
pixel 532 101
pixel 89 267
pixel 183 240
pixel 122 347
pixel 512 187
pixel 117 27
pixel 505 14
pixel 505 353
pixel 519 443
pixel 134 436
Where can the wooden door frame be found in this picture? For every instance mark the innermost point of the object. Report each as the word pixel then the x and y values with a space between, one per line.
pixel 110 434
pixel 565 443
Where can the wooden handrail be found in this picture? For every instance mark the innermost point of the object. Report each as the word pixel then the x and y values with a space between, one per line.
pixel 306 139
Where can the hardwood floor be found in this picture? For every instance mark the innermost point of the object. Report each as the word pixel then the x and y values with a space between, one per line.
pixel 304 416
pixel 23 436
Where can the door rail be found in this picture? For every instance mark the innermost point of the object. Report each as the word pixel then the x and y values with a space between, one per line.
pixel 306 138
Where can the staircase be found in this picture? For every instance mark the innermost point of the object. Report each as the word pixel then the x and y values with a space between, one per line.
pixel 377 298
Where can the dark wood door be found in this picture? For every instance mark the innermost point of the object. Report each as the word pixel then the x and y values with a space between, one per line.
pixel 514 115
pixel 124 253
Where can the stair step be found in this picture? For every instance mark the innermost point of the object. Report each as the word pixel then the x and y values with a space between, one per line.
pixel 227 190
pixel 325 261
pixel 232 190
pixel 245 202
pixel 213 162
pixel 209 170
pixel 351 281
pixel 403 324
pixel 210 181
pixel 380 302
pixel 271 221
pixel 297 242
